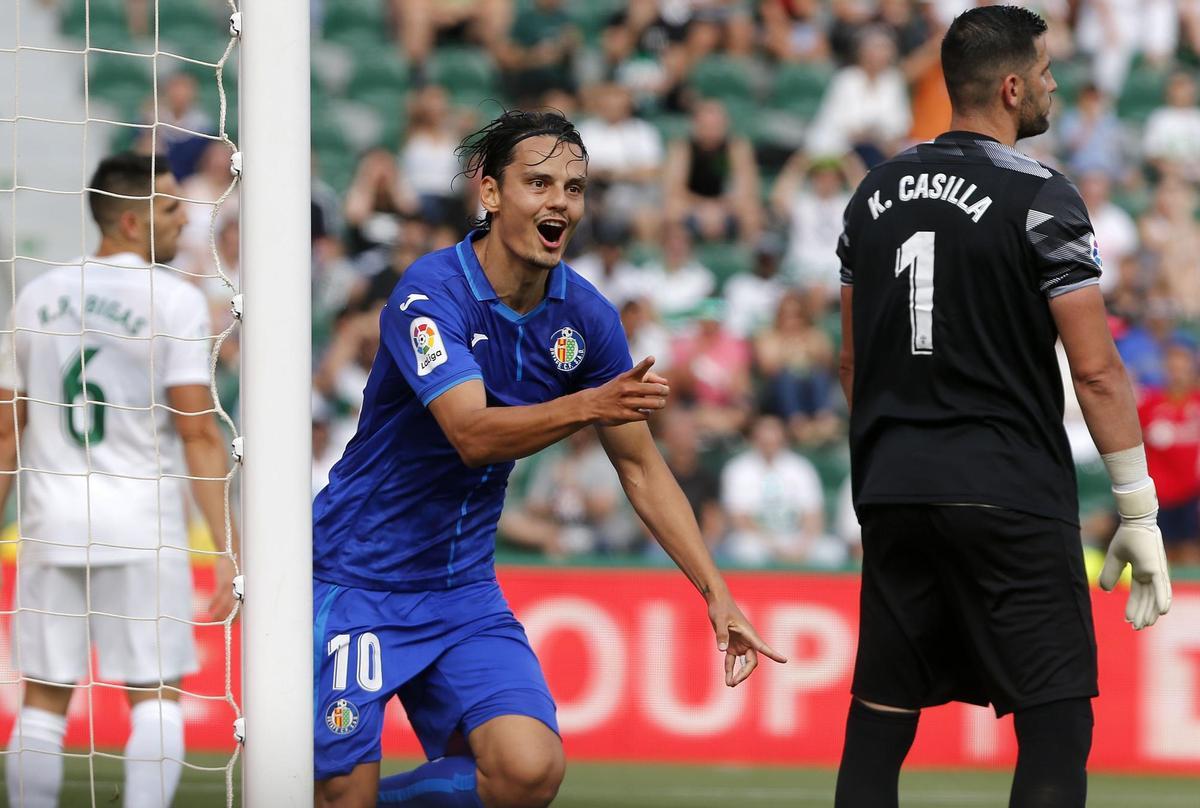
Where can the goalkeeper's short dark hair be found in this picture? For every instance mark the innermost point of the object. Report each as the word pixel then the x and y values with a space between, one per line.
pixel 487 152
pixel 120 176
pixel 984 44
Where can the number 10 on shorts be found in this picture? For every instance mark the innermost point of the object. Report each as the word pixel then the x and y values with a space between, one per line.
pixel 370 661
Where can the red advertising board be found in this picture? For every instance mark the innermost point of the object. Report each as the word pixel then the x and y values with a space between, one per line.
pixel 634 668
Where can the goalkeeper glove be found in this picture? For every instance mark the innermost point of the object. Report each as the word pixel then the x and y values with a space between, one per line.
pixel 1138 541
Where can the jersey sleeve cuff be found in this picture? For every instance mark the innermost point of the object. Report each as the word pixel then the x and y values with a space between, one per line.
pixel 433 392
pixel 1055 291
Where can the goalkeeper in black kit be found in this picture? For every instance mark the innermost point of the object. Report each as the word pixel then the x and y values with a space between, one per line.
pixel 963 261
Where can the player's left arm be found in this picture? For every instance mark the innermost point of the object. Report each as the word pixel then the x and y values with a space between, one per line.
pixel 658 500
pixel 207 462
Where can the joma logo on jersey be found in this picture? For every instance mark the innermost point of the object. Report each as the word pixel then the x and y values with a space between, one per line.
pixel 567 349
pixel 427 344
pixel 341 717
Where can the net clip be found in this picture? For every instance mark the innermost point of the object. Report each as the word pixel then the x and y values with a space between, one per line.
pixel 237 448
pixel 239 587
pixel 235 24
pixel 235 164
pixel 235 306
pixel 239 730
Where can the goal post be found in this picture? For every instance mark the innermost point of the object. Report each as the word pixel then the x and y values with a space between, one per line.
pixel 277 657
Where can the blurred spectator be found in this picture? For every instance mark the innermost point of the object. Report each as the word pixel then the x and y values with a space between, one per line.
pixel 711 370
pixel 848 18
pixel 719 25
pixel 574 504
pixel 414 240
pixel 793 30
pixel 421 24
pixel 1116 233
pixel 218 292
pixel 625 157
pixel 643 50
pixel 185 124
pixel 1091 136
pixel 342 373
pixel 676 285
pixel 1171 425
pixel 605 265
pixel 794 358
pixel 208 184
pixel 540 51
pixel 427 159
pixel 1170 232
pixel 1142 345
pixel 375 203
pixel 681 448
pixel 1171 140
pixel 1113 32
pixel 811 198
pixel 774 500
pixel 645 334
pixel 918 30
pixel 865 107
pixel 751 296
pixel 711 179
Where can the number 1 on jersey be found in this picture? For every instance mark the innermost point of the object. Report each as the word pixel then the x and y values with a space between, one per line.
pixel 916 255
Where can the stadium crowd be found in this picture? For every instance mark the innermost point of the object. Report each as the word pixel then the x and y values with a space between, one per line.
pixel 725 138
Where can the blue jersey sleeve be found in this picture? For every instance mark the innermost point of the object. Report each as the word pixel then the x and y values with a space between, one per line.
pixel 426 334
pixel 608 357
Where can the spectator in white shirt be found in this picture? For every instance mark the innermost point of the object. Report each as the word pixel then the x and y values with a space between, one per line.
pixel 1116 232
pixel 865 107
pixel 428 161
pixel 811 198
pixel 752 296
pixel 625 157
pixel 1171 141
pixel 774 500
pixel 676 285
pixel 605 264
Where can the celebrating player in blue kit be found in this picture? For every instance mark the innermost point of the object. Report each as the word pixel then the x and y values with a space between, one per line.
pixel 490 351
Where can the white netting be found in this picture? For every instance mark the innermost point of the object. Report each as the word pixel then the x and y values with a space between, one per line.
pixel 54 128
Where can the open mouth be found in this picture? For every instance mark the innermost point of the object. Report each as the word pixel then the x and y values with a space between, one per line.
pixel 551 233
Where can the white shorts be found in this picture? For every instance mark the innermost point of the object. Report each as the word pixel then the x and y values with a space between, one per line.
pixel 54 647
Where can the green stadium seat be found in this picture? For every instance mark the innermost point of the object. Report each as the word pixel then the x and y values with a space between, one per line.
pixel 724 258
pixel 327 134
pixel 798 89
pixel 378 72
pixel 1142 93
pixel 105 13
pixel 672 127
pixel 123 81
pixel 1070 76
pixel 723 78
pixel 592 15
pixel 468 74
pixel 336 166
pixel 353 23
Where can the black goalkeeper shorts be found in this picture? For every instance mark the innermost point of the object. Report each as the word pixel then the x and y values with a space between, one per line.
pixel 974 604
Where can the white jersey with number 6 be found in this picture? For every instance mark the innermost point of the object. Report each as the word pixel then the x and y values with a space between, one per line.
pixel 94 350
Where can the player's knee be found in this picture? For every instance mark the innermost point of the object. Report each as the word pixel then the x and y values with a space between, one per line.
pixel 528 779
pixel 342 792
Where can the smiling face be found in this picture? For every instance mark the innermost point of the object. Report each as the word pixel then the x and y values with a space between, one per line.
pixel 537 202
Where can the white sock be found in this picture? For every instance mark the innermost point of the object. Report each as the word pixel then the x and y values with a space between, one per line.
pixel 153 754
pixel 35 777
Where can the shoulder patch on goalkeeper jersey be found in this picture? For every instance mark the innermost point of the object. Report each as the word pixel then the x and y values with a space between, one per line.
pixel 428 345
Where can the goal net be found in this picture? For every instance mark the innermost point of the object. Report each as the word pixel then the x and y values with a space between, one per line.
pixel 81 80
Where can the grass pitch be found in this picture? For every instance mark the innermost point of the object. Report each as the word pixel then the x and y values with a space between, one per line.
pixel 607 785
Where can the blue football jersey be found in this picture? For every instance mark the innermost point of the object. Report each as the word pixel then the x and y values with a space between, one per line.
pixel 401 510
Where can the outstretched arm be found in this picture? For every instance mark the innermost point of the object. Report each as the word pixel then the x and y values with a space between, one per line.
pixel 658 500
pixel 483 434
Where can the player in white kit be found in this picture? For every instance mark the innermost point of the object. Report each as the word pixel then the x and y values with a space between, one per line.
pixel 107 368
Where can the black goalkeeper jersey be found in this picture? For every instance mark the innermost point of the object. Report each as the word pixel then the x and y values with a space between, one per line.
pixel 953 249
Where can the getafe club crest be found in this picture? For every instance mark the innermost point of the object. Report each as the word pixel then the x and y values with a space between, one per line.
pixel 341 717
pixel 566 348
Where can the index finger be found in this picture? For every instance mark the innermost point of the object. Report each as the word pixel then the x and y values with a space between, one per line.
pixel 639 370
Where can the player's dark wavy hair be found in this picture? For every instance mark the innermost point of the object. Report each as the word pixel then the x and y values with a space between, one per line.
pixel 487 152
pixel 982 45
pixel 125 174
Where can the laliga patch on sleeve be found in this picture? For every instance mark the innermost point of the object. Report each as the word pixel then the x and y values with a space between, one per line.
pixel 427 345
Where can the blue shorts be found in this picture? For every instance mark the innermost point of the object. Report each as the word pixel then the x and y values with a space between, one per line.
pixel 456 658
